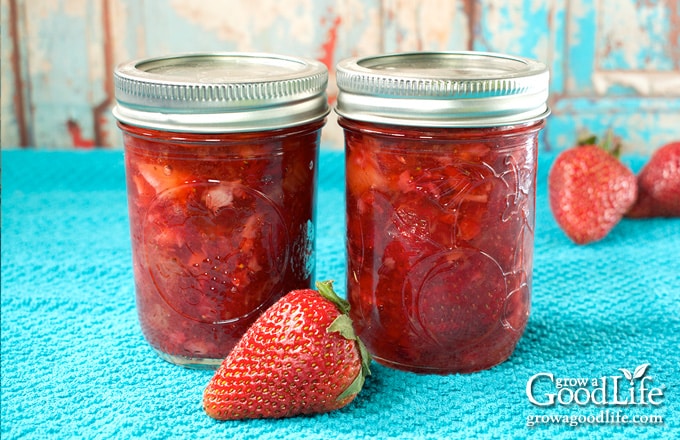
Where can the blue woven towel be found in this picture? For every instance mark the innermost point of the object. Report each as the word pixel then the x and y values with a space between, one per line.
pixel 75 364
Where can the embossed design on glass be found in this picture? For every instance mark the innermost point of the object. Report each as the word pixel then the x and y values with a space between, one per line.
pixel 221 228
pixel 207 245
pixel 440 238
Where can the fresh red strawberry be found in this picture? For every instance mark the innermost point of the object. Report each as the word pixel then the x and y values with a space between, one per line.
pixel 659 185
pixel 590 190
pixel 301 356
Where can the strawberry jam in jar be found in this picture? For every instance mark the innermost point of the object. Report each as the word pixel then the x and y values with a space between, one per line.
pixel 221 164
pixel 441 173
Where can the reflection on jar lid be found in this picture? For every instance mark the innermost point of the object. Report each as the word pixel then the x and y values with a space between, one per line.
pixel 220 92
pixel 443 89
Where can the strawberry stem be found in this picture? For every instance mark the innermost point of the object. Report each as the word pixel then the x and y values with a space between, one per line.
pixel 611 144
pixel 343 325
pixel 325 288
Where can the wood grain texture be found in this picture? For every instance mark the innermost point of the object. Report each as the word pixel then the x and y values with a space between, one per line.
pixel 614 63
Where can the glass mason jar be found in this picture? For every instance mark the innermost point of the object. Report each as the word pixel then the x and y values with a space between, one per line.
pixel 441 177
pixel 221 165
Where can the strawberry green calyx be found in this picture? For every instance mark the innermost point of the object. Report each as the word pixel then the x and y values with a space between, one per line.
pixel 610 143
pixel 343 325
pixel 587 139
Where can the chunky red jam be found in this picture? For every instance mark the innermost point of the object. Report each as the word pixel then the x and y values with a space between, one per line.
pixel 222 226
pixel 440 227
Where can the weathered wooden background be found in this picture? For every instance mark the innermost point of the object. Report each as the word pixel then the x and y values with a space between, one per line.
pixel 614 63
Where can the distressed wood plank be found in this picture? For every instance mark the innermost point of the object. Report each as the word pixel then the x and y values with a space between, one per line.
pixel 613 62
pixel 413 25
pixel 620 71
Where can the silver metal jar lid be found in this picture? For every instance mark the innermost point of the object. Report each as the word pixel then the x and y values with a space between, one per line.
pixel 220 92
pixel 443 89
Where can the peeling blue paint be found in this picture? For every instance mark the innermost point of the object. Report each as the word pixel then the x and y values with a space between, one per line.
pixel 601 76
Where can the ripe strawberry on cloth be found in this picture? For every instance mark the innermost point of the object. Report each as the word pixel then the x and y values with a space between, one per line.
pixel 590 190
pixel 300 356
pixel 659 185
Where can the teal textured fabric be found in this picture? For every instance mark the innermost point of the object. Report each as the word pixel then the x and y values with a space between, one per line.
pixel 75 364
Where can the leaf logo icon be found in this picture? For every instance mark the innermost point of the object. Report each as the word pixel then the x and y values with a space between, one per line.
pixel 628 374
pixel 640 371
pixel 637 374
